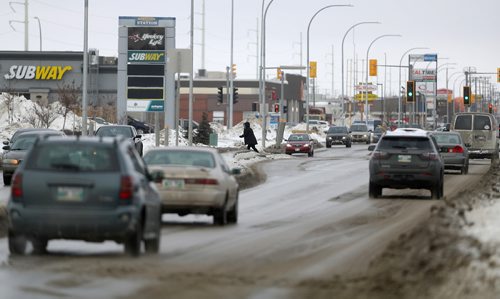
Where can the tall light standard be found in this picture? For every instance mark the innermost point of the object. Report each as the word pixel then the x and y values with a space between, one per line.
pixel 85 67
pixel 262 73
pixel 343 39
pixel 399 78
pixel 447 94
pixel 367 63
pixel 40 31
pixel 307 65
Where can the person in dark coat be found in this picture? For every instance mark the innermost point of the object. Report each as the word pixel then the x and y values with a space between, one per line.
pixel 249 136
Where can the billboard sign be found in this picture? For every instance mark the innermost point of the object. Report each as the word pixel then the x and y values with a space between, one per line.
pixel 37 72
pixel 144 105
pixel 146 21
pixel 425 88
pixel 424 74
pixel 146 38
pixel 146 56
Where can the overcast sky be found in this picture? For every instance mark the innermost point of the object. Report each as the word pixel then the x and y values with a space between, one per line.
pixel 459 31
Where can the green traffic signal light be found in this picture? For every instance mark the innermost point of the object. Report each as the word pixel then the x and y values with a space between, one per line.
pixel 410 94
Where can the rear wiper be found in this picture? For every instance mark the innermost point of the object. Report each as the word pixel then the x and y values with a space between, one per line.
pixel 67 166
pixel 399 146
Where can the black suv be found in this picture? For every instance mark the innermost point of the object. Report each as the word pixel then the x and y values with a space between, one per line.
pixel 338 135
pixel 83 188
pixel 141 127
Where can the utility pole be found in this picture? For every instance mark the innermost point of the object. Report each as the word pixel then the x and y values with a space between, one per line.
pixel 231 82
pixel 26 22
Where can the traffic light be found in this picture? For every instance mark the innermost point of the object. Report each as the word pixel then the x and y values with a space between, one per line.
pixel 235 95
pixel 373 67
pixel 467 95
pixel 278 73
pixel 276 107
pixel 220 95
pixel 312 69
pixel 498 74
pixel 285 109
pixel 410 91
pixel 274 97
pixel 233 70
pixel 490 108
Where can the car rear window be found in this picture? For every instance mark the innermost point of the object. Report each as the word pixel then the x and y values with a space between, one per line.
pixel 447 138
pixel 114 131
pixel 403 142
pixel 463 122
pixel 73 157
pixel 184 158
pixel 482 122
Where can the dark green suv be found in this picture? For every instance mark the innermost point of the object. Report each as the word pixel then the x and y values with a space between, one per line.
pixel 83 188
pixel 338 135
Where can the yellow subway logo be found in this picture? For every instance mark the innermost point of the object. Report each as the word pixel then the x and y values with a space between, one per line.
pixel 146 56
pixel 30 72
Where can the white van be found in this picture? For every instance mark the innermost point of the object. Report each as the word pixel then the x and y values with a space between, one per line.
pixel 479 132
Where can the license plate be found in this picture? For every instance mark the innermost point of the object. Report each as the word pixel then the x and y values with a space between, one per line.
pixel 404 158
pixel 173 184
pixel 74 194
pixel 297 149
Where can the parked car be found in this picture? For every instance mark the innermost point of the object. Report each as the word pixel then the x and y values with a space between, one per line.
pixel 299 143
pixel 406 158
pixel 122 130
pixel 453 151
pixel 17 151
pixel 83 188
pixel 338 135
pixel 11 140
pixel 195 180
pixel 359 133
pixel 479 133
pixel 140 126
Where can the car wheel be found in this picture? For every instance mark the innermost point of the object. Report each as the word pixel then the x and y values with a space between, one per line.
pixel 466 168
pixel 374 190
pixel 39 245
pixel 133 241
pixel 232 215
pixel 6 179
pixel 348 145
pixel 220 215
pixel 437 190
pixel 328 145
pixel 17 243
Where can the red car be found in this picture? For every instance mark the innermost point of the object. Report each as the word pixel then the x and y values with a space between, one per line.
pixel 299 144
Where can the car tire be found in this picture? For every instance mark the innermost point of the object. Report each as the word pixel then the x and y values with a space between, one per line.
pixel 220 215
pixel 374 190
pixel 465 168
pixel 232 215
pixel 17 243
pixel 7 179
pixel 348 145
pixel 133 241
pixel 328 145
pixel 39 245
pixel 437 190
pixel 310 154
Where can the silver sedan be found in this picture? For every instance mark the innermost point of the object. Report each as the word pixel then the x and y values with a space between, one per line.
pixel 453 151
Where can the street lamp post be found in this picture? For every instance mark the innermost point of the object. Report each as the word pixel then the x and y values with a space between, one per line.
pixel 307 65
pixel 367 63
pixel 262 73
pixel 399 78
pixel 343 39
pixel 40 31
pixel 85 67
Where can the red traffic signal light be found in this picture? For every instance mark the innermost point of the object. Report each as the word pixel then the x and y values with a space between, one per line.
pixel 276 107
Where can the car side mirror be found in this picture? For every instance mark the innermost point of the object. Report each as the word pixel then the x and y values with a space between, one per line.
pixel 371 148
pixel 6 142
pixel 6 148
pixel 138 136
pixel 235 171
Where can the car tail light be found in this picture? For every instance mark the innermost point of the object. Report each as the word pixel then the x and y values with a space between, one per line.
pixel 429 156
pixel 378 155
pixel 17 185
pixel 456 149
pixel 126 187
pixel 201 181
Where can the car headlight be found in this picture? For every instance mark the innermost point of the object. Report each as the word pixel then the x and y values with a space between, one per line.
pixel 329 138
pixel 288 145
pixel 10 161
pixel 306 145
pixel 343 137
pixel 365 135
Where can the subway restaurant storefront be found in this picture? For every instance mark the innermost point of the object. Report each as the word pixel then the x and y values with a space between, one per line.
pixel 42 76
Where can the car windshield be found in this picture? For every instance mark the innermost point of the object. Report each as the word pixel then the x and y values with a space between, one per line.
pixel 359 128
pixel 298 137
pixel 337 130
pixel 24 142
pixel 403 142
pixel 114 131
pixel 73 157
pixel 447 138
pixel 183 158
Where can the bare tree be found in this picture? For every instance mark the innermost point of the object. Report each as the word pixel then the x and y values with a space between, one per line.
pixel 8 103
pixel 68 95
pixel 42 115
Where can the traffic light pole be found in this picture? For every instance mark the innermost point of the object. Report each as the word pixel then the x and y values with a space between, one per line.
pixel 282 95
pixel 231 79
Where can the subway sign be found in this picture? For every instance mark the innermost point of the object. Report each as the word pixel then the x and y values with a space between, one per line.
pixel 146 56
pixel 37 72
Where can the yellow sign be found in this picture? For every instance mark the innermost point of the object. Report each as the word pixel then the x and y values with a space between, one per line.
pixel 312 69
pixel 362 97
pixel 29 72
pixel 278 73
pixel 373 67
pixel 498 74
